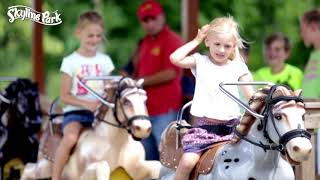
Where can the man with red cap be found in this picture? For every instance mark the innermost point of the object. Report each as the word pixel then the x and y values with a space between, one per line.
pixel 162 80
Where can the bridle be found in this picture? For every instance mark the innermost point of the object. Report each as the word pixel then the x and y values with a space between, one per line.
pixel 123 89
pixel 267 114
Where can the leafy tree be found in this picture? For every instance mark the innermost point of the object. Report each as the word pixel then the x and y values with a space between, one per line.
pixel 257 19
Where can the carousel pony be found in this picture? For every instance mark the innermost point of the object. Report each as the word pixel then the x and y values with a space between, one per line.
pixel 112 142
pixel 20 116
pixel 269 139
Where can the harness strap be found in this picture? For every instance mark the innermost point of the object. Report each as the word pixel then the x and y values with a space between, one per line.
pixel 179 126
pixel 130 120
pixel 293 134
pixel 109 123
pixel 115 113
pixel 265 147
pixel 284 98
pixel 119 125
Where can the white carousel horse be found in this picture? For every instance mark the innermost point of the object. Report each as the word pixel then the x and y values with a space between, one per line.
pixel 266 146
pixel 111 143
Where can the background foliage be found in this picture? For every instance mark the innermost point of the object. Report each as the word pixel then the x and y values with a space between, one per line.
pixel 257 18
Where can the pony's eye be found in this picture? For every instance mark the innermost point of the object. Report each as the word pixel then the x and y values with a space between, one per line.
pixel 126 102
pixel 278 117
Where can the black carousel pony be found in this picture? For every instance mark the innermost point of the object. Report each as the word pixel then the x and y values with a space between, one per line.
pixel 20 121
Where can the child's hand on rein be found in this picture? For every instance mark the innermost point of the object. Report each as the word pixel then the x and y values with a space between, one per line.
pixel 235 139
pixel 93 105
pixel 202 33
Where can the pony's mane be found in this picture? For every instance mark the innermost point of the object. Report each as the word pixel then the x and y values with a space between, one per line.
pixel 126 83
pixel 257 102
pixel 111 89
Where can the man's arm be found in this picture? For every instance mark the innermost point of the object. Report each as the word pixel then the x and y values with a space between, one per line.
pixel 160 77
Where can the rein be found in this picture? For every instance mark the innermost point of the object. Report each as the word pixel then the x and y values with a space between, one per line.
pixel 129 121
pixel 265 147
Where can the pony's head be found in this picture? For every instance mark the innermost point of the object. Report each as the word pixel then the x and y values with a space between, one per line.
pixel 129 110
pixel 21 102
pixel 282 123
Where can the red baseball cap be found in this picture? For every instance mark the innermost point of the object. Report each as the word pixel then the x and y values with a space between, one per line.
pixel 149 8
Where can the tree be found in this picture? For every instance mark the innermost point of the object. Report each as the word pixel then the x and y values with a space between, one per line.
pixel 257 19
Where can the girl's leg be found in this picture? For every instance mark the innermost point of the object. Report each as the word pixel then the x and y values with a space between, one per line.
pixel 186 164
pixel 70 137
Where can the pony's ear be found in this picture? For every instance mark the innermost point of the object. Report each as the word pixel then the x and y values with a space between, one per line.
pixel 298 92
pixel 11 91
pixel 140 82
pixel 110 84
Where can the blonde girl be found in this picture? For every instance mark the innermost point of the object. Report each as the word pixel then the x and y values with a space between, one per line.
pixel 215 113
pixel 86 61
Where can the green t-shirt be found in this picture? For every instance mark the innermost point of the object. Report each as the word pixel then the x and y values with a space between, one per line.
pixel 290 76
pixel 311 80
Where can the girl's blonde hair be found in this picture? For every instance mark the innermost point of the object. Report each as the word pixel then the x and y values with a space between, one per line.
pixel 90 17
pixel 227 25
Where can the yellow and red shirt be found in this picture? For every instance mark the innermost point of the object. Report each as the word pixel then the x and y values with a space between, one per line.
pixel 154 53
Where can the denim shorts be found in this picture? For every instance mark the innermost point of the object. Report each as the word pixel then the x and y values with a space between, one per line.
pixel 85 117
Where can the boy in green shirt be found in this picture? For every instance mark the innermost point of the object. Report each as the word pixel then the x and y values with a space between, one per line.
pixel 277 51
pixel 310 33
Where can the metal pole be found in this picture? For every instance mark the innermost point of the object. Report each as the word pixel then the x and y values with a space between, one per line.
pixel 237 100
pixel 37 50
pixel 189 15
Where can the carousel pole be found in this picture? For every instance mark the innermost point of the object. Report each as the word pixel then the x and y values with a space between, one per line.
pixel 189 19
pixel 190 9
pixel 37 49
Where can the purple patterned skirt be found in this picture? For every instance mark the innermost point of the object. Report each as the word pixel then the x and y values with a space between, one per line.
pixel 206 133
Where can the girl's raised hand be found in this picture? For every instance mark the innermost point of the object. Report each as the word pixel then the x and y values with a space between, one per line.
pixel 202 33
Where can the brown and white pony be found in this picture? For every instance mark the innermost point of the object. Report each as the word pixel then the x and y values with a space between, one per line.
pixel 271 138
pixel 111 142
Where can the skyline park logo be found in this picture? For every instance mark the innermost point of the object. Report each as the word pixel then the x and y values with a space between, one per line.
pixel 24 12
